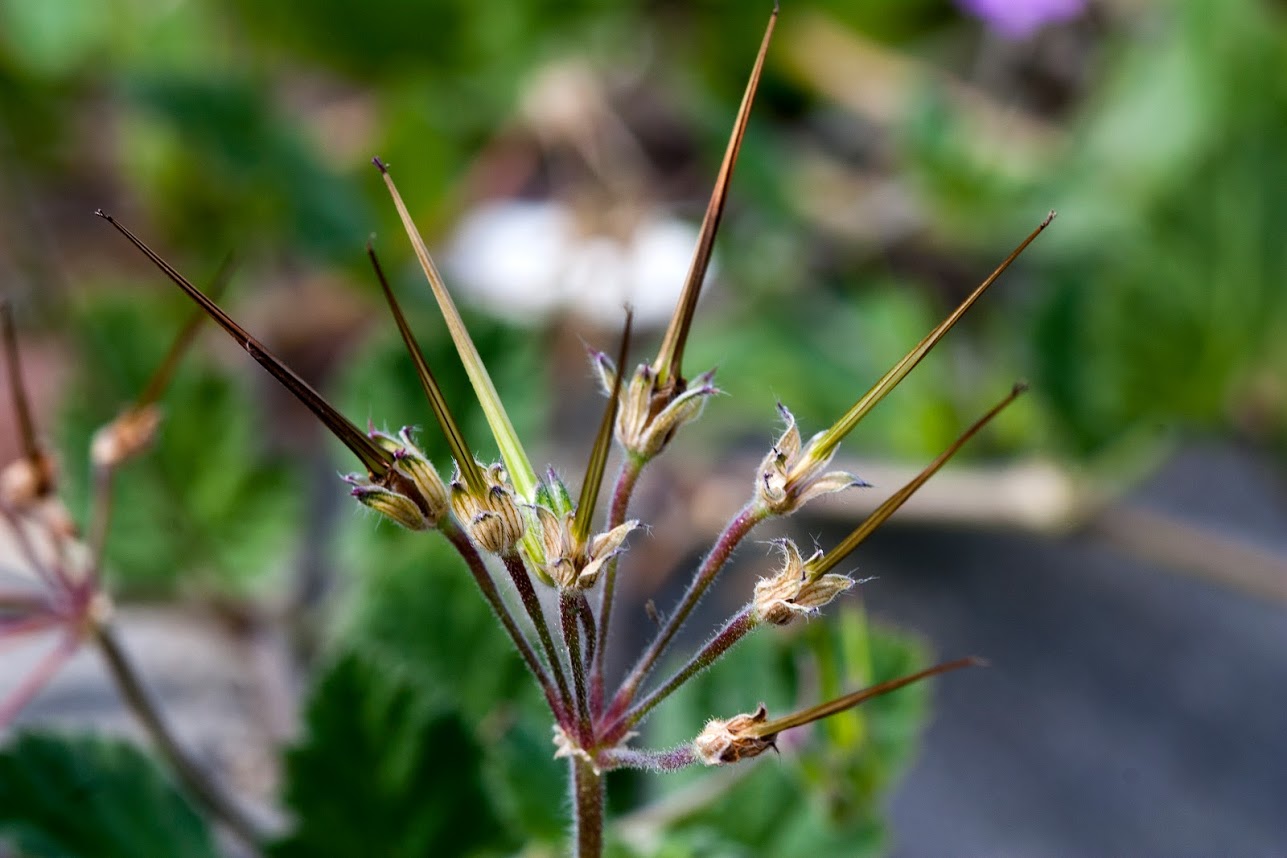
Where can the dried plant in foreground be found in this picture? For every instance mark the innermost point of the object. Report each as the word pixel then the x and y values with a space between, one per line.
pixel 505 518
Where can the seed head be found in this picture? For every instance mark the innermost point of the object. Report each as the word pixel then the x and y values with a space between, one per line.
pixel 797 589
pixel 491 517
pixel 791 475
pixel 650 412
pixel 722 742
pixel 574 565
pixel 125 437
pixel 26 481
pixel 411 464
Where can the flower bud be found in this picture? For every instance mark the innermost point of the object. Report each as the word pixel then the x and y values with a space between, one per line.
pixel 722 742
pixel 791 476
pixel 411 493
pixel 493 518
pixel 796 590
pixel 387 502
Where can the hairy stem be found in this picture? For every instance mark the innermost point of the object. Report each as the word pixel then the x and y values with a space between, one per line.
pixel 627 477
pixel 651 761
pixel 478 569
pixel 572 639
pixel 197 782
pixel 532 603
pixel 587 793
pixel 733 534
pixel 732 632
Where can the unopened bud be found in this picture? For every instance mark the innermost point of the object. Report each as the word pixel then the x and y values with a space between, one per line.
pixel 391 504
pixel 493 518
pixel 796 590
pixel 722 742
pixel 128 435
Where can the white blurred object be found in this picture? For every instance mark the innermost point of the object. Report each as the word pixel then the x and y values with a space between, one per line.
pixel 527 261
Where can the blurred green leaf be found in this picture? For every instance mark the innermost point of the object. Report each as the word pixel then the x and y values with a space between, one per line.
pixel 53 36
pixel 208 504
pixel 385 770
pixel 415 604
pixel 88 797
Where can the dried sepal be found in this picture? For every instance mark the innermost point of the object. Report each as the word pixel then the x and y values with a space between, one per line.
pixel 793 474
pixel 796 590
pixel 27 481
pixel 569 563
pixel 131 433
pixel 649 415
pixel 491 517
pixel 722 742
pixel 603 548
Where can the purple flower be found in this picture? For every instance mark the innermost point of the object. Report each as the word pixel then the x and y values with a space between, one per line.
pixel 1018 19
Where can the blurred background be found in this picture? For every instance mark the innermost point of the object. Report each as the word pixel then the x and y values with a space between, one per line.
pixel 1116 545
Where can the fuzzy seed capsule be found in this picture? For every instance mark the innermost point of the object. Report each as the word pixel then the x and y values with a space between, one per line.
pixel 391 504
pixel 796 590
pixel 722 742
pixel 493 518
pixel 411 493
pixel 793 474
pixel 650 414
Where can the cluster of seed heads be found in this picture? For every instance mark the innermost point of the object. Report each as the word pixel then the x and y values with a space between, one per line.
pixel 543 538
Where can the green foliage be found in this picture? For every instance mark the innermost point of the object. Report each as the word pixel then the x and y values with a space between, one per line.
pixel 821 795
pixel 209 505
pixel 384 770
pixel 1156 301
pixel 88 797
pixel 416 606
pixel 215 146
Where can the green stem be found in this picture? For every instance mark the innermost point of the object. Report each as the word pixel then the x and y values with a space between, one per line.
pixel 627 477
pixel 532 603
pixel 478 569
pixel 588 794
pixel 732 632
pixel 733 534
pixel 572 638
